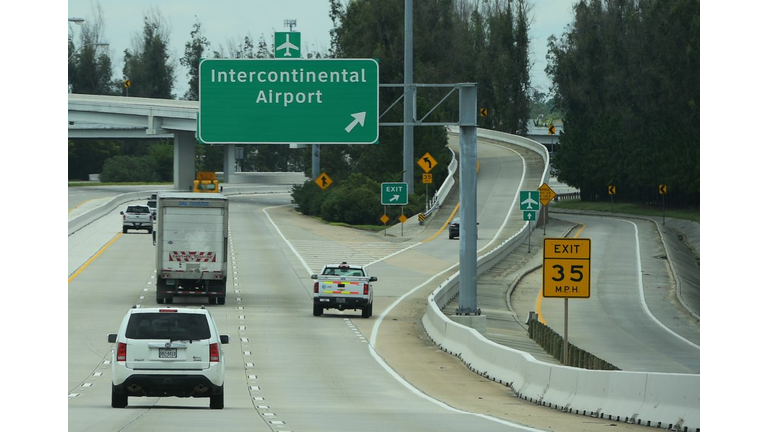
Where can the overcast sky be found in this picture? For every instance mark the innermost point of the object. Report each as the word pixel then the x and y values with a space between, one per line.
pixel 225 20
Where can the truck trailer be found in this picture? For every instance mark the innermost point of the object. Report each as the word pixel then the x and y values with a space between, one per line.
pixel 192 246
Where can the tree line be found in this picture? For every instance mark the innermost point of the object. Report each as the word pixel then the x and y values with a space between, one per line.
pixel 454 41
pixel 626 78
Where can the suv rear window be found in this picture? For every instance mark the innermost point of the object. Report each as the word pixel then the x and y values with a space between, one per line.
pixel 176 326
pixel 138 209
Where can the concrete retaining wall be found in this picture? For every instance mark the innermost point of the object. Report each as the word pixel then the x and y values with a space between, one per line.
pixel 656 399
pixel 266 178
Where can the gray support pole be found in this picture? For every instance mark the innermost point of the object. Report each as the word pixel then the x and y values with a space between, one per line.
pixel 408 103
pixel 184 161
pixel 468 201
pixel 229 162
pixel 315 161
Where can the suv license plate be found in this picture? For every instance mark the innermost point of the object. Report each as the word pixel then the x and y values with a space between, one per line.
pixel 167 353
pixel 340 300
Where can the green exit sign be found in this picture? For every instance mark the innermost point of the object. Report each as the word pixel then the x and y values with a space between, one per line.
pixel 268 101
pixel 394 193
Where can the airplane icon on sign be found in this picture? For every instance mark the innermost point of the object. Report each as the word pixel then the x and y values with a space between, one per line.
pixel 287 46
pixel 531 203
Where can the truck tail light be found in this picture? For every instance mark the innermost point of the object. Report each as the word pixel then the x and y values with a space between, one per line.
pixel 122 350
pixel 214 353
pixel 365 289
pixel 317 288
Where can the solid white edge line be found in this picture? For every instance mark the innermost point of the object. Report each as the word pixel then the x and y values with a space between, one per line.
pixel 514 200
pixel 375 331
pixel 295 252
pixel 641 291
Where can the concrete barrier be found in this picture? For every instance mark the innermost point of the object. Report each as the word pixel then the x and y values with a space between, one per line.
pixel 79 222
pixel 266 178
pixel 666 400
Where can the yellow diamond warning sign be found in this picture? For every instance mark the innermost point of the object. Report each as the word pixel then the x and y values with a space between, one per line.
pixel 323 181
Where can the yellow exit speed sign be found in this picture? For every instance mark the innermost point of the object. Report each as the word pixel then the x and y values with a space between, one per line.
pixel 566 267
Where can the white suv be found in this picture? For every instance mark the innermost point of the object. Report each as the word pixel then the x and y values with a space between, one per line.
pixel 168 352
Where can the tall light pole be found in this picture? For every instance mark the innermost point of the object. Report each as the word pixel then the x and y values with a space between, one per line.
pixel 78 21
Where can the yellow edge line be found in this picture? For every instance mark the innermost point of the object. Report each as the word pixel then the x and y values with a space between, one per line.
pixel 450 218
pixel 442 228
pixel 87 263
pixel 78 205
pixel 541 293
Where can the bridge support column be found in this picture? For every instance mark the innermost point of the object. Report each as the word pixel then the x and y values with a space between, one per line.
pixel 184 161
pixel 229 162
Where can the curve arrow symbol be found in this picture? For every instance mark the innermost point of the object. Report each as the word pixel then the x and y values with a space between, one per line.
pixel 359 118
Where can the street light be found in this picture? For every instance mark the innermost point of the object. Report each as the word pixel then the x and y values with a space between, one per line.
pixel 78 21
pixel 96 44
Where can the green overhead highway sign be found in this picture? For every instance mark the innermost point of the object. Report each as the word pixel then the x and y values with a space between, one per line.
pixel 394 193
pixel 267 101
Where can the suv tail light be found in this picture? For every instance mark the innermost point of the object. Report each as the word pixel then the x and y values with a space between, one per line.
pixel 365 289
pixel 122 350
pixel 214 353
pixel 316 288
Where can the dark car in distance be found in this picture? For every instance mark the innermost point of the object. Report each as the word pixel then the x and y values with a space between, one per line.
pixel 453 229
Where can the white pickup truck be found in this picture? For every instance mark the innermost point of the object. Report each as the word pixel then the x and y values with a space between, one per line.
pixel 343 286
pixel 138 217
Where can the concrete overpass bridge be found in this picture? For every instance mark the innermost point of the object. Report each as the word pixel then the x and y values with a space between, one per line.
pixel 94 116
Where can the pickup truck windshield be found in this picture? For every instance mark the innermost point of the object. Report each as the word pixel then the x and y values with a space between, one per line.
pixel 137 209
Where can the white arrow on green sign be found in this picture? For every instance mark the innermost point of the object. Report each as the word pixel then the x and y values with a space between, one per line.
pixel 529 215
pixel 394 193
pixel 268 101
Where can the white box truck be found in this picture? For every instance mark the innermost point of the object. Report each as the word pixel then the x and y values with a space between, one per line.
pixel 191 243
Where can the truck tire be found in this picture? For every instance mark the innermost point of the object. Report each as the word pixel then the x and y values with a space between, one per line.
pixel 368 310
pixel 221 300
pixel 212 300
pixel 317 310
pixel 125 230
